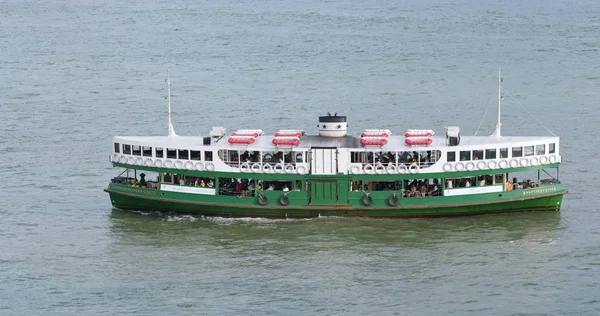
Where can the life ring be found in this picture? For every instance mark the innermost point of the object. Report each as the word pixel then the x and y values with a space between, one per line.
pixel 115 158
pixel 301 170
pixel 267 168
pixel 131 160
pixel 503 164
pixel 447 167
pixel 553 159
pixel 459 166
pixel 368 168
pixel 255 167
pixel 391 169
pixel 367 200
pixel 199 166
pixel 189 165
pixel 524 162
pixel 284 200
pixel 210 167
pixel 139 161
pixel 149 162
pixel 534 161
pixel 158 163
pixel 414 168
pixel 513 163
pixel 289 168
pixel 169 163
pixel 123 159
pixel 470 166
pixel 393 200
pixel 481 165
pixel 492 164
pixel 354 169
pixel 263 199
pixel 543 160
pixel 379 169
pixel 402 169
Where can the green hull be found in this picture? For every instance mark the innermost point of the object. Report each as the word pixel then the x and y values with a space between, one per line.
pixel 347 204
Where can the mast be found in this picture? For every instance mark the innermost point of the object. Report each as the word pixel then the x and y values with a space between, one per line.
pixel 168 82
pixel 498 123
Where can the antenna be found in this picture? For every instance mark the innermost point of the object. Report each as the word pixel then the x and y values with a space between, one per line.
pixel 168 82
pixel 498 124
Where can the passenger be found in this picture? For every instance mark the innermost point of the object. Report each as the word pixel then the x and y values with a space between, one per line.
pixel 271 187
pixel 482 182
pixel 202 184
pixel 423 191
pixel 211 183
pixel 285 188
pixel 467 183
pixel 412 192
pixel 449 184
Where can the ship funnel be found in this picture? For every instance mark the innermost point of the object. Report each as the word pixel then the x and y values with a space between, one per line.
pixel 332 125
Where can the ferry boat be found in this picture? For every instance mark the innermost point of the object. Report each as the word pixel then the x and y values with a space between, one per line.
pixel 292 174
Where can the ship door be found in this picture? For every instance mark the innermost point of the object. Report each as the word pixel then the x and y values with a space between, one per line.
pixel 323 192
pixel 323 161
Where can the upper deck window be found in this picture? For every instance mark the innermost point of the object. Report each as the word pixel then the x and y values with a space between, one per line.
pixel 540 149
pixel 490 153
pixel 503 152
pixel 551 148
pixel 451 156
pixel 184 154
pixel 478 154
pixel 159 152
pixel 529 151
pixel 208 156
pixel 127 149
pixel 117 147
pixel 171 153
pixel 137 150
pixel 465 155
pixel 196 155
pixel 517 152
pixel 147 151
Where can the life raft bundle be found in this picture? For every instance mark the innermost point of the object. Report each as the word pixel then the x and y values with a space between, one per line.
pixel 419 133
pixel 286 141
pixel 376 133
pixel 241 140
pixel 373 141
pixel 423 141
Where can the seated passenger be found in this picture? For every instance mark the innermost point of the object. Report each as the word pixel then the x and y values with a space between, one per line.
pixel 423 191
pixel 271 187
pixel 285 188
pixel 211 183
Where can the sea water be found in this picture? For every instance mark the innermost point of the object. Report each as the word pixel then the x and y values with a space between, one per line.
pixel 75 73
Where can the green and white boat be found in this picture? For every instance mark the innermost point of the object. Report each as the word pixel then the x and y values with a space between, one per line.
pixel 291 174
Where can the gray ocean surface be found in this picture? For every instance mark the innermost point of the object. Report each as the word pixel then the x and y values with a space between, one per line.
pixel 75 73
